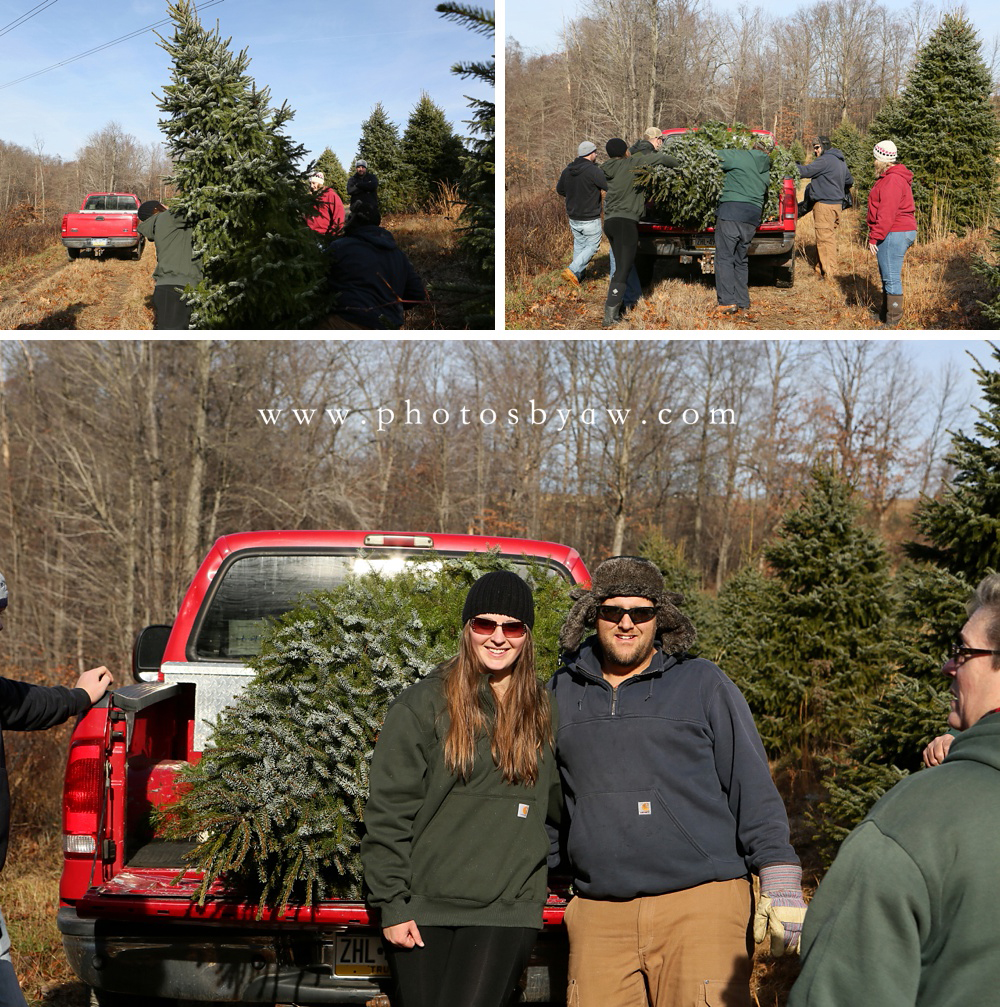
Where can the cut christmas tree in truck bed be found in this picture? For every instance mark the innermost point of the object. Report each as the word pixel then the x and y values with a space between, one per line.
pixel 681 204
pixel 211 809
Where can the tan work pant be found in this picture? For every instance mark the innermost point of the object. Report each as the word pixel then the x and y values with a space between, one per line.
pixel 674 950
pixel 826 219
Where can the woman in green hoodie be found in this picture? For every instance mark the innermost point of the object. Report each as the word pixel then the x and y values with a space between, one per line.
pixel 462 779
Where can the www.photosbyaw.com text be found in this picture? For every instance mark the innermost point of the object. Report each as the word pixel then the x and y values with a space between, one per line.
pixel 382 418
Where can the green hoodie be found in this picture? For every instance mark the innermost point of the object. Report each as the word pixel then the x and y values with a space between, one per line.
pixel 909 913
pixel 623 198
pixel 449 852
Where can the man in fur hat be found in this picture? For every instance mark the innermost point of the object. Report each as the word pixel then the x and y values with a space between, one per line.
pixel 670 807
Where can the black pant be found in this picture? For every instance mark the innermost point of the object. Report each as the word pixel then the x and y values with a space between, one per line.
pixel 732 271
pixel 461 966
pixel 623 234
pixel 171 311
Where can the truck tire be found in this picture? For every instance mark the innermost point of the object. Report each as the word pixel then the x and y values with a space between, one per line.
pixel 73 253
pixel 784 272
pixel 136 253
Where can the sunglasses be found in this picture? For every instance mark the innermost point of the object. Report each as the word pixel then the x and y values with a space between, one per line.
pixel 615 614
pixel 487 627
pixel 959 653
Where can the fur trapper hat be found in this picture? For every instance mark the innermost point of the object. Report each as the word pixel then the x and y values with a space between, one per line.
pixel 624 577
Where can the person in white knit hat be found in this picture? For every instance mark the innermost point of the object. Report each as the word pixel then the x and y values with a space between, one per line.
pixel 892 226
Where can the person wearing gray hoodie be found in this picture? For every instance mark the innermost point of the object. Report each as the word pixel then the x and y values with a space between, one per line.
pixel 830 179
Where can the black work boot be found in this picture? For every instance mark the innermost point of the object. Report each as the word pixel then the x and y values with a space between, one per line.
pixel 611 315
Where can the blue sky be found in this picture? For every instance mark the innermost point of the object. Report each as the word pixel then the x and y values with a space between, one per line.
pixel 331 60
pixel 537 26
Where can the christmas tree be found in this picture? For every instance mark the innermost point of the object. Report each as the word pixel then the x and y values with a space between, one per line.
pixel 809 641
pixel 432 150
pixel 962 525
pixel 277 802
pixel 688 195
pixel 946 130
pixel 380 147
pixel 238 187
pixel 477 185
pixel 333 172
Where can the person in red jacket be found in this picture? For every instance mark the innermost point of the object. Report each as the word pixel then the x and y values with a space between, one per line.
pixel 892 226
pixel 328 219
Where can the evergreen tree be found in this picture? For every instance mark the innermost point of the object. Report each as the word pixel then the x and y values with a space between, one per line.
pixel 809 640
pixel 333 172
pixel 909 709
pixel 947 131
pixel 962 526
pixel 380 147
pixel 432 150
pixel 238 186
pixel 277 802
pixel 857 150
pixel 477 184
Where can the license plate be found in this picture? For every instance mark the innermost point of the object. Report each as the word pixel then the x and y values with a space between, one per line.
pixel 99 242
pixel 704 248
pixel 359 955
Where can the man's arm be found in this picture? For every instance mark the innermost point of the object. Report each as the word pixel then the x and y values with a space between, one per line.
pixel 25 707
pixel 861 942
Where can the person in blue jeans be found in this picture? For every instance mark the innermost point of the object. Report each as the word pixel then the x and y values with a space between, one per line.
pixel 892 226
pixel 582 184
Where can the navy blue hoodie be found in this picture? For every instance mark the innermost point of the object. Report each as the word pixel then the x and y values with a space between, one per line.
pixel 665 779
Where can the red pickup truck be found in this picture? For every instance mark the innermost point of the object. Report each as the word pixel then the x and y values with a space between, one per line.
pixel 129 925
pixel 105 220
pixel 772 247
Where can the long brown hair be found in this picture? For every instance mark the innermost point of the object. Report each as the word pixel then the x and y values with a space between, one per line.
pixel 523 724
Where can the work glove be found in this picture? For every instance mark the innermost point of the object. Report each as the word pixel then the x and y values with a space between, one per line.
pixel 780 909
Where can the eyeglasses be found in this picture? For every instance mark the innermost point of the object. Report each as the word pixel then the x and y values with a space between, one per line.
pixel 615 614
pixel 487 627
pixel 958 654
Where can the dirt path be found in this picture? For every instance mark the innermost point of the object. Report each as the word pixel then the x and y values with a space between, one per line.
pixel 50 291
pixel 941 293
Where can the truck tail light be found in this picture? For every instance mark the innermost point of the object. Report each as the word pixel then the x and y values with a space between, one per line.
pixel 412 541
pixel 83 796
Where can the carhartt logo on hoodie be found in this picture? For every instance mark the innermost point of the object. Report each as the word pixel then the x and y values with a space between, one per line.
pixel 522 811
pixel 645 808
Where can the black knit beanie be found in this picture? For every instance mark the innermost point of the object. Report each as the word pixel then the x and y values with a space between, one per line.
pixel 616 147
pixel 147 209
pixel 500 593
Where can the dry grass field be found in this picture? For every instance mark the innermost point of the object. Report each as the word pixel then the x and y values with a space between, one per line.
pixel 941 290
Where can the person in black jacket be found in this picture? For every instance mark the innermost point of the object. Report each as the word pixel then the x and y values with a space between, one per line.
pixel 582 184
pixel 25 707
pixel 830 180
pixel 670 806
pixel 362 187
pixel 373 280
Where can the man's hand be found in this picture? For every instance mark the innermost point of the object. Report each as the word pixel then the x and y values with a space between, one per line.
pixel 781 909
pixel 873 247
pixel 403 935
pixel 95 682
pixel 936 751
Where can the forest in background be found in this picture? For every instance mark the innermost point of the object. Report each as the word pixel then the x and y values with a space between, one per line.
pixel 121 461
pixel 625 64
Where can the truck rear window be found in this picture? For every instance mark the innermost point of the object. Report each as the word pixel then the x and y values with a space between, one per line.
pixel 253 588
pixel 110 203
